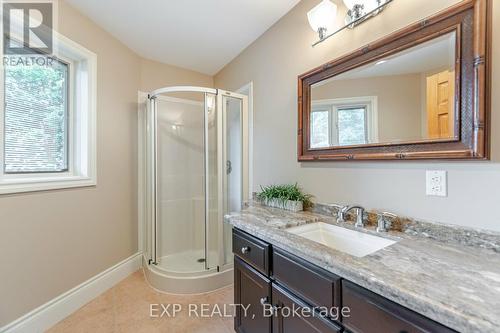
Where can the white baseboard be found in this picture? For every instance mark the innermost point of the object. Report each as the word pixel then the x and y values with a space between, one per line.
pixel 50 313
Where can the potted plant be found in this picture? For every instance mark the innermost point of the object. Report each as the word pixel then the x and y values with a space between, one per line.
pixel 288 197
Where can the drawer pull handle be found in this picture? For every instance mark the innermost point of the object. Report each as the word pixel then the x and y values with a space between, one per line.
pixel 245 249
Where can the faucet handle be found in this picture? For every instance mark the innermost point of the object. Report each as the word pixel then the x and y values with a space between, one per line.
pixel 383 225
pixel 360 212
pixel 340 213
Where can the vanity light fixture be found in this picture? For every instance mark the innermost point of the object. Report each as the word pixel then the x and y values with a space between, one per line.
pixel 322 17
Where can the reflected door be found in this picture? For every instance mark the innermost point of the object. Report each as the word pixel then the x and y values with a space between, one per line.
pixel 440 96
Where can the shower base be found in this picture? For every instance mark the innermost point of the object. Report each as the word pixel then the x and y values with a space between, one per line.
pixel 186 262
pixel 182 273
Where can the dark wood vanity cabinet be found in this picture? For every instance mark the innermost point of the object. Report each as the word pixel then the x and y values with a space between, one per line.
pixel 269 277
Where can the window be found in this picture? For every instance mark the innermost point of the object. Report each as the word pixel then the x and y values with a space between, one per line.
pixel 47 117
pixel 343 122
pixel 35 118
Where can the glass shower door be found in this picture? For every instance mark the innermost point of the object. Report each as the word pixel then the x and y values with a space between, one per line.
pixel 180 182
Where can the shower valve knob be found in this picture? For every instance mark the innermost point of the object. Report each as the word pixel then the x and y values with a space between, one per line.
pixel 245 249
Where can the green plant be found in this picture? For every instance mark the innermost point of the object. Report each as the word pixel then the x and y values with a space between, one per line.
pixel 284 193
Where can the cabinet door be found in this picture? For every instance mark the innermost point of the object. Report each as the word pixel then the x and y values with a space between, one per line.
pixel 251 289
pixel 286 321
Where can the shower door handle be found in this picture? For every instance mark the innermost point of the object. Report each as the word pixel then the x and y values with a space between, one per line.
pixel 229 167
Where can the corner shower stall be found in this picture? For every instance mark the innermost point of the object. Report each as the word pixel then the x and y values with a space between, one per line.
pixel 193 170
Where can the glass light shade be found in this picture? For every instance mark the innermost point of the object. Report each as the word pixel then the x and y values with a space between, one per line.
pixel 369 5
pixel 323 16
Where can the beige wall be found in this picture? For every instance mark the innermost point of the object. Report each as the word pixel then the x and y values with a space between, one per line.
pixel 52 241
pixel 399 99
pixel 155 75
pixel 283 52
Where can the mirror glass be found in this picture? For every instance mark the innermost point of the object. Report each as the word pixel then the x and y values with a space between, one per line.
pixel 406 97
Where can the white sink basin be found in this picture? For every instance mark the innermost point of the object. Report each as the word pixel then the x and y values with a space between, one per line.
pixel 353 242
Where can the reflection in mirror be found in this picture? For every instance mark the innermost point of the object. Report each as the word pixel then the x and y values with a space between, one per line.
pixel 405 97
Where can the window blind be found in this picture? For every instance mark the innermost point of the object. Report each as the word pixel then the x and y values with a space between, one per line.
pixel 36 118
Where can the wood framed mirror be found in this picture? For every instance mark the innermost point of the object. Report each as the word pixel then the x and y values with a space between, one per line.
pixel 422 92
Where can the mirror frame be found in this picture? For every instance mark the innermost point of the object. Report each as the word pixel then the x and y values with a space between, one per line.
pixel 471 21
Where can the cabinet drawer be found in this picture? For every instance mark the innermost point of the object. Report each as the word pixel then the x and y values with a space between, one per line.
pixel 251 250
pixel 304 322
pixel 371 313
pixel 313 284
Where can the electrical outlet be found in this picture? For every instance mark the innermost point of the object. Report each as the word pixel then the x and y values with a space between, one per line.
pixel 436 183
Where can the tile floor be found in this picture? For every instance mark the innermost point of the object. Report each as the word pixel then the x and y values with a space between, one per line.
pixel 126 308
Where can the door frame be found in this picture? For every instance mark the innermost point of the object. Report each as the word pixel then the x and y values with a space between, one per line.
pixel 247 90
pixel 222 158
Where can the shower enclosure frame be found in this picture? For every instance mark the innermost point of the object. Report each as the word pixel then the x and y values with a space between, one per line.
pixel 208 279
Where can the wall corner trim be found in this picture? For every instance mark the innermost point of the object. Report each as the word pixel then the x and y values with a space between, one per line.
pixel 55 310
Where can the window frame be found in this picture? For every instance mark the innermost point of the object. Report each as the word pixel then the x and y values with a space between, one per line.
pixel 369 103
pixel 81 126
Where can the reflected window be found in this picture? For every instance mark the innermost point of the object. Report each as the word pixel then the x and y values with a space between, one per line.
pixel 352 129
pixel 343 122
pixel 320 128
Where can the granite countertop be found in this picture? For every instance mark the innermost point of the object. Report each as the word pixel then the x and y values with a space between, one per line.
pixel 455 285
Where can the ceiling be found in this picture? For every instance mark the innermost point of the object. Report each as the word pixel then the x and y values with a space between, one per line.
pixel 202 35
pixel 435 54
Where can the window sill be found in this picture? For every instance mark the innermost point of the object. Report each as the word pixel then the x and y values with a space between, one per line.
pixel 44 184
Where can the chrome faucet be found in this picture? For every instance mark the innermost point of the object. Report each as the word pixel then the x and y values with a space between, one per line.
pixel 359 214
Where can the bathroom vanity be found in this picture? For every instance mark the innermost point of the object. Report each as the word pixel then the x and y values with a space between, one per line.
pixel 412 284
pixel 289 281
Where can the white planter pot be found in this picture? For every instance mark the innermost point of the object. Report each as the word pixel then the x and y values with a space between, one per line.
pixel 294 206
